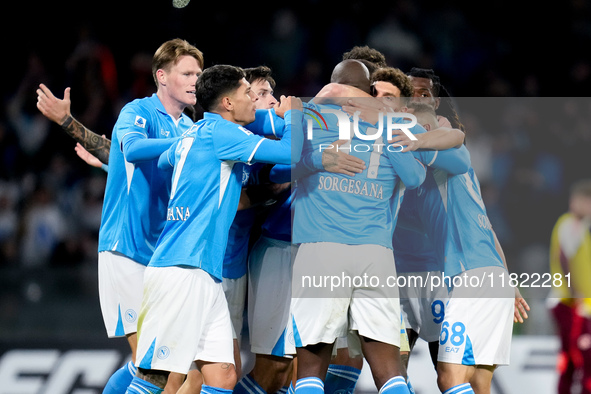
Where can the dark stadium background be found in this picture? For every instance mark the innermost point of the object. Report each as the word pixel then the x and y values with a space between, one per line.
pixel 529 151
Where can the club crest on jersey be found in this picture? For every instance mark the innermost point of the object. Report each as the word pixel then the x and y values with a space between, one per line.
pixel 139 121
pixel 245 175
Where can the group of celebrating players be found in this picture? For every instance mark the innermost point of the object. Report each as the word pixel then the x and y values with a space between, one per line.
pixel 185 201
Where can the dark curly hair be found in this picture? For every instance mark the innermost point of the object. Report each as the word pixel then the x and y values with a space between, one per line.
pixel 397 78
pixel 366 53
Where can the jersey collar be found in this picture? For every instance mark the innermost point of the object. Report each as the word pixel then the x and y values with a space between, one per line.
pixel 160 107
pixel 158 104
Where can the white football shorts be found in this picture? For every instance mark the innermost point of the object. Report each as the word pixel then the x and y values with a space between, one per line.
pixel 337 288
pixel 478 321
pixel 423 306
pixel 235 291
pixel 121 285
pixel 184 317
pixel 269 295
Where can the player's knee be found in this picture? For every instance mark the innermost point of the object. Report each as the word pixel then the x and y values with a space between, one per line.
pixel 443 382
pixel 356 362
pixel 445 378
pixel 221 375
pixel 271 372
pixel 229 379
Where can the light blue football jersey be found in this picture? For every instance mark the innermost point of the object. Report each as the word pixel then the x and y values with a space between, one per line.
pixel 454 214
pixel 236 257
pixel 355 210
pixel 414 251
pixel 136 195
pixel 206 187
pixel 419 244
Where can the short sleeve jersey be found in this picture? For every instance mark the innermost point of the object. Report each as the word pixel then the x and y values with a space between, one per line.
pixel 354 210
pixel 136 195
pixel 204 195
pixel 452 209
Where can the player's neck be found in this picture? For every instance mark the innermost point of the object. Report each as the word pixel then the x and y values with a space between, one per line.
pixel 172 107
pixel 227 115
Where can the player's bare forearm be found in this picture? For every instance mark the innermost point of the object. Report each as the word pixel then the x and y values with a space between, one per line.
pixel 441 138
pixel 339 94
pixel 58 111
pixel 95 144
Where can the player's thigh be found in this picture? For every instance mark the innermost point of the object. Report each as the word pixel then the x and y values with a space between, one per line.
pixel 221 375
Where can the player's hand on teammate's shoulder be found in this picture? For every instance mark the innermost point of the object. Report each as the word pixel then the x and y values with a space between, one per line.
pixel 400 138
pixel 287 103
pixel 368 109
pixel 56 110
pixel 339 162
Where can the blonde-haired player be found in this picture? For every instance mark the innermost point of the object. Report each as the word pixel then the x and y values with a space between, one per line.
pixel 134 207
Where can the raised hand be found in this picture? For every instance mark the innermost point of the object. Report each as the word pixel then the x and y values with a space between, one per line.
pixel 56 110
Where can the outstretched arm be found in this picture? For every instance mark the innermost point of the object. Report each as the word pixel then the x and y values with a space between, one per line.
pixel 440 138
pixel 58 111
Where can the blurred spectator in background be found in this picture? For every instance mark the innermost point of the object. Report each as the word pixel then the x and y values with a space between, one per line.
pixel 44 228
pixel 30 126
pixel 92 74
pixel 570 301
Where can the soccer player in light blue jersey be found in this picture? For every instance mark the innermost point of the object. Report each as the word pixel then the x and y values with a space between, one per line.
pixel 353 218
pixel 423 308
pixel 270 371
pixel 434 199
pixel 390 97
pixel 239 238
pixel 184 320
pixel 476 324
pixel 131 221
